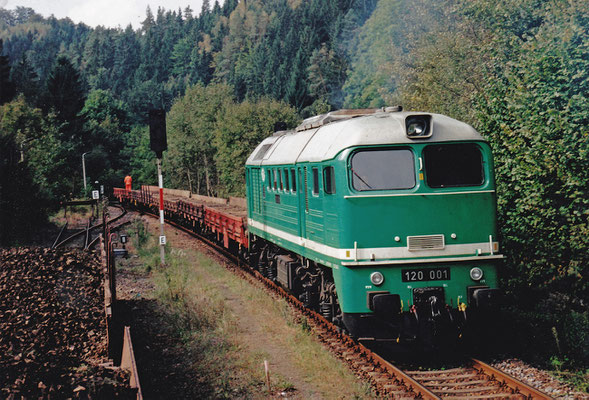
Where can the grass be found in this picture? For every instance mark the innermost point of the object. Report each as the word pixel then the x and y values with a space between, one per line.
pixel 578 379
pixel 75 215
pixel 197 292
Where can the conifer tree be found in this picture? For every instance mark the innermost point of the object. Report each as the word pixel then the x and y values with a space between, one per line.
pixel 7 90
pixel 64 93
pixel 26 80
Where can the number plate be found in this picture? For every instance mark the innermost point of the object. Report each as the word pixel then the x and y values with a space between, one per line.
pixel 425 274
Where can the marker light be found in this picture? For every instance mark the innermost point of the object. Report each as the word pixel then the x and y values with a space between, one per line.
pixel 476 274
pixel 376 278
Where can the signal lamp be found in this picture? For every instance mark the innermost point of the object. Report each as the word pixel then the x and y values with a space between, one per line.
pixel 476 274
pixel 418 126
pixel 377 278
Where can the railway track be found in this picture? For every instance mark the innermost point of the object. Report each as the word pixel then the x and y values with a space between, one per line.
pixel 86 232
pixel 474 380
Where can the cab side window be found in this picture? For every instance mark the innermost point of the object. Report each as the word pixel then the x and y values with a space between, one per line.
pixel 315 172
pixel 286 182
pixel 293 176
pixel 329 180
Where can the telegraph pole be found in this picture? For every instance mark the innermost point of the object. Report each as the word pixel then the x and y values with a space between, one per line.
pixel 158 143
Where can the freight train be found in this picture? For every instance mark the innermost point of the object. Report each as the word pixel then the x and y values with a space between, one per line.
pixel 384 221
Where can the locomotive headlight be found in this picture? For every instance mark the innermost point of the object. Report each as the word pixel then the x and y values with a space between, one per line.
pixel 418 126
pixel 376 278
pixel 476 274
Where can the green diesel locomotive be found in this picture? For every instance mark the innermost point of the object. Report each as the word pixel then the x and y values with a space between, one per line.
pixel 382 220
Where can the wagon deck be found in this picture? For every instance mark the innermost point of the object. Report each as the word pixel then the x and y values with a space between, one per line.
pixel 226 218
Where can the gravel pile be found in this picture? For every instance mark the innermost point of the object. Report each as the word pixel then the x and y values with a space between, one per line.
pixel 52 327
pixel 539 379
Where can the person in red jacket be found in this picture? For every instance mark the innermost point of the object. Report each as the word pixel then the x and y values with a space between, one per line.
pixel 128 181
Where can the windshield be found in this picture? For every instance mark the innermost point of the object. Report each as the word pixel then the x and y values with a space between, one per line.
pixel 383 169
pixel 451 165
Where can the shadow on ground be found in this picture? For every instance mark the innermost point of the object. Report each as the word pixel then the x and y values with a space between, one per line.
pixel 167 369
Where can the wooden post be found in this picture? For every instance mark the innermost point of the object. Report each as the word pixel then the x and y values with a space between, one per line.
pixel 267 370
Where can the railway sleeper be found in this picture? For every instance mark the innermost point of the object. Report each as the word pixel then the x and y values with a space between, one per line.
pixel 467 375
pixel 467 390
pixel 484 396
pixel 456 384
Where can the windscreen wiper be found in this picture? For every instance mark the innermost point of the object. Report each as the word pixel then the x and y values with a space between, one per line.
pixel 359 177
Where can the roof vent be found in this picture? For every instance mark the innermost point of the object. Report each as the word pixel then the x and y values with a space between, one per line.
pixel 333 116
pixel 393 109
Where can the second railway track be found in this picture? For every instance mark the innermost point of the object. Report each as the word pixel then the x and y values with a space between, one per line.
pixel 474 380
pixel 88 242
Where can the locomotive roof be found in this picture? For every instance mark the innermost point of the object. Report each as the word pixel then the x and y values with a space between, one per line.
pixel 323 137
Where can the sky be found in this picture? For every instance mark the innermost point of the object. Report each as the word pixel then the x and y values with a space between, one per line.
pixel 109 13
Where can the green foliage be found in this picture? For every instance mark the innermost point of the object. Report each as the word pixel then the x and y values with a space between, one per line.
pixel 140 235
pixel 106 126
pixel 142 166
pixel 380 42
pixel 190 159
pixel 536 116
pixel 101 105
pixel 327 74
pixel 64 95
pixel 26 80
pixel 7 89
pixel 575 332
pixel 259 48
pixel 22 206
pixel 239 132
pixel 210 136
pixel 39 149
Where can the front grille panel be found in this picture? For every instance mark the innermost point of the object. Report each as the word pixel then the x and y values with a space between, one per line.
pixel 425 242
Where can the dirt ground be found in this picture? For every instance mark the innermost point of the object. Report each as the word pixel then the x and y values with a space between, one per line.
pixel 167 363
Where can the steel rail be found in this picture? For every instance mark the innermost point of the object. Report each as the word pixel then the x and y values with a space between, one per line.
pixel 513 383
pixel 93 242
pixel 59 235
pixel 87 233
pixel 406 379
pixel 81 232
pixel 129 363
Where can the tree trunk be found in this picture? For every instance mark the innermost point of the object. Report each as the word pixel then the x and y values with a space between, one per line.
pixel 197 181
pixel 189 180
pixel 207 177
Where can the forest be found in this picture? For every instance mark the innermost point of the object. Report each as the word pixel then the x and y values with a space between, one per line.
pixel 516 70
